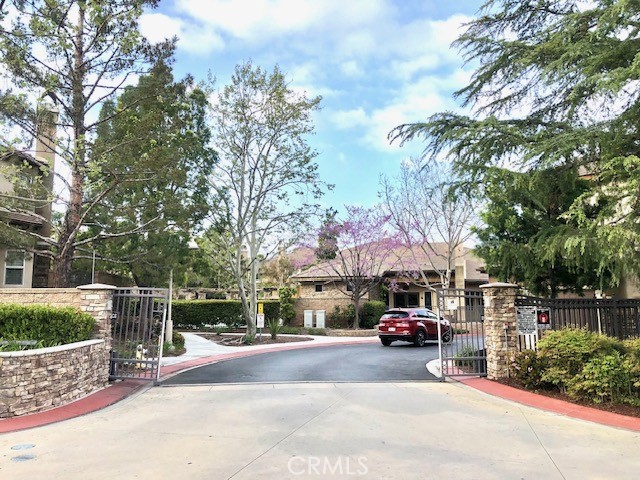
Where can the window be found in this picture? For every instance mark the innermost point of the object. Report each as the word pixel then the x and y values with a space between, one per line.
pixel 14 268
pixel 318 287
pixel 405 299
pixel 349 287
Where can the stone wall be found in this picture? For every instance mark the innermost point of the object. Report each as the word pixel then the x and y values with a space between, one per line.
pixel 56 297
pixel 36 380
pixel 501 333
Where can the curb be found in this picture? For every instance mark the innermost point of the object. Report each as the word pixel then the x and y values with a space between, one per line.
pixel 91 403
pixel 552 405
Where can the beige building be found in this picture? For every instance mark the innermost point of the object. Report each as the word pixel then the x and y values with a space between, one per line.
pixel 21 267
pixel 320 288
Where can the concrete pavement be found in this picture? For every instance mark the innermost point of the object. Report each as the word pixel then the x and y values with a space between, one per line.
pixel 328 430
pixel 378 431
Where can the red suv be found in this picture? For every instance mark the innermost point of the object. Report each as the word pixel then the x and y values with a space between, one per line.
pixel 412 325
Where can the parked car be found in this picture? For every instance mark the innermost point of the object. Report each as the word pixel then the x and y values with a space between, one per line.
pixel 413 325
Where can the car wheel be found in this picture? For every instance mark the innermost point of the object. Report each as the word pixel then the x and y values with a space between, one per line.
pixel 420 338
pixel 386 342
pixel 447 336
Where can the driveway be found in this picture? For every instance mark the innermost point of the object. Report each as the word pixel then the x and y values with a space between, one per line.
pixel 369 362
pixel 422 430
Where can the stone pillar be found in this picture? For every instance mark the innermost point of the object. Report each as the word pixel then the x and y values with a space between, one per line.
pixel 97 300
pixel 501 333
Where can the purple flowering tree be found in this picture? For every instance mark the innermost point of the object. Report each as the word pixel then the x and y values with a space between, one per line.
pixel 365 250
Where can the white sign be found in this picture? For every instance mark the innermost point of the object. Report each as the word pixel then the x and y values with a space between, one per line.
pixel 260 320
pixel 452 304
pixel 527 320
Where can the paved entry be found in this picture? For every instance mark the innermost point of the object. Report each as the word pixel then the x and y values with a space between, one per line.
pixel 466 355
pixel 137 328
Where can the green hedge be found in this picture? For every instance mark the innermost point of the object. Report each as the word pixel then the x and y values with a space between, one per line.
pixel 196 314
pixel 370 313
pixel 45 324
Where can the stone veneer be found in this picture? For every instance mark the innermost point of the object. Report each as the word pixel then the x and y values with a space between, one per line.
pixel 36 380
pixel 501 333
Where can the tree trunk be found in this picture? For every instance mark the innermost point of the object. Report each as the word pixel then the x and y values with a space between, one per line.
pixel 356 304
pixel 66 248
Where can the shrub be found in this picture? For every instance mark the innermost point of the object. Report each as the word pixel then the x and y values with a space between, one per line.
pixel 632 350
pixel 371 312
pixel 316 331
pixel 603 378
pixel 527 367
pixel 566 352
pixel 342 316
pixel 466 351
pixel 197 314
pixel 178 340
pixel 45 324
pixel 274 327
pixel 287 303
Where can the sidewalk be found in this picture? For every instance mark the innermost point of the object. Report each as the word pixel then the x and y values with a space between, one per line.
pixel 201 351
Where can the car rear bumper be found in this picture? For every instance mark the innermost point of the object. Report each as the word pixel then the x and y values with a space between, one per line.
pixel 396 336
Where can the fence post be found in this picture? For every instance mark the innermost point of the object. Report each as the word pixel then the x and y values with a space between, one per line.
pixel 501 333
pixel 97 300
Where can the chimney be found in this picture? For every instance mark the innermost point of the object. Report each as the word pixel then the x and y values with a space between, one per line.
pixel 47 119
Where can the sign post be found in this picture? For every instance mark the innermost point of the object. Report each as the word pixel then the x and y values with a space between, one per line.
pixel 260 319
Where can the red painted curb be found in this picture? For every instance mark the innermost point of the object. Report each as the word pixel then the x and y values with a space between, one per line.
pixel 552 405
pixel 91 403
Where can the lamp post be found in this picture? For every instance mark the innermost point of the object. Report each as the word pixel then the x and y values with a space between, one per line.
pixel 168 331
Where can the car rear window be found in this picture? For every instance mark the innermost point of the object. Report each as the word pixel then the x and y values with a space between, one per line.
pixel 395 315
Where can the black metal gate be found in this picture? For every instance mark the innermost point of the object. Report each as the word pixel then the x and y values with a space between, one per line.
pixel 137 331
pixel 465 354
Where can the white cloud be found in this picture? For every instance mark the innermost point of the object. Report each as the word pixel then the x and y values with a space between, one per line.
pixel 261 20
pixel 194 38
pixel 352 69
pixel 413 102
pixel 158 27
pixel 345 119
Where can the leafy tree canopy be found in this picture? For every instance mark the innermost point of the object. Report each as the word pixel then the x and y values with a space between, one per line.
pixel 75 54
pixel 556 84
pixel 159 149
pixel 523 224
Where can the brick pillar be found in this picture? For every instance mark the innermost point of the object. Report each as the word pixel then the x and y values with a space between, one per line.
pixel 501 333
pixel 97 300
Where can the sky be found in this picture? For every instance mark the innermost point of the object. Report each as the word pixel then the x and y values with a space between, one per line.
pixel 376 64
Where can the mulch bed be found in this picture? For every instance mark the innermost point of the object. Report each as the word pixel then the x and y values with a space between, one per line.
pixel 621 409
pixel 236 340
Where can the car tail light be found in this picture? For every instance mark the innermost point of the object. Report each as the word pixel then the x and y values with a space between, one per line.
pixel 403 324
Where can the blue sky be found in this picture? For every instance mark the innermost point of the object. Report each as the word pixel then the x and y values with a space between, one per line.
pixel 376 63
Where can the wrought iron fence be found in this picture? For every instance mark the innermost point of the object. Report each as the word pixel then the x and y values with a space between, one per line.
pixel 466 354
pixel 619 318
pixel 137 329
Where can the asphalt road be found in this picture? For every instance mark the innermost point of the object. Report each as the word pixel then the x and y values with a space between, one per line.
pixel 346 363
